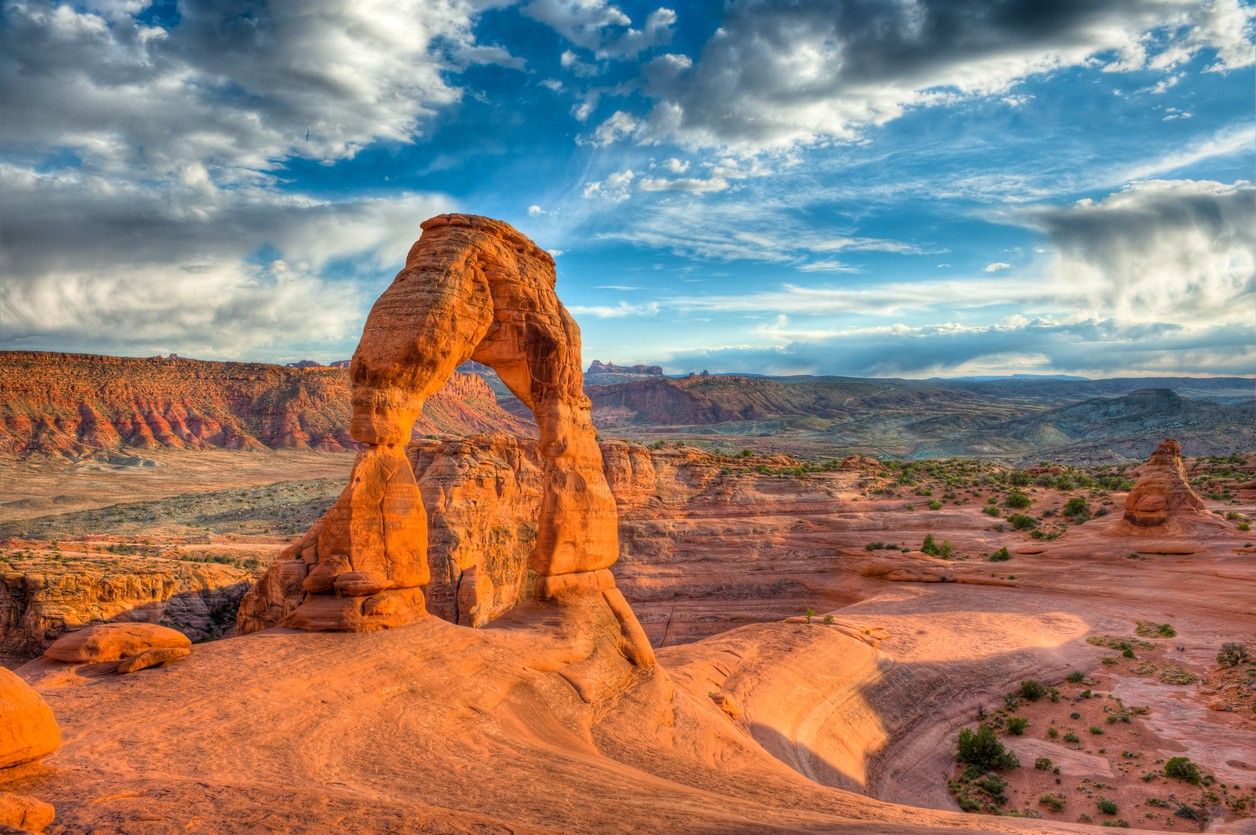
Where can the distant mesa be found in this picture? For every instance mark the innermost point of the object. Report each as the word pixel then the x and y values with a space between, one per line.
pixel 599 367
pixel 304 364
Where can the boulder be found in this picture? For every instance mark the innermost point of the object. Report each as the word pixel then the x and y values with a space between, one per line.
pixel 152 658
pixel 113 642
pixel 25 814
pixel 28 729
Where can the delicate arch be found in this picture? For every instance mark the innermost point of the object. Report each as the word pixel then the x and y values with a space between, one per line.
pixel 472 288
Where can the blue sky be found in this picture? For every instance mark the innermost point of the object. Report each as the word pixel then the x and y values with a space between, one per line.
pixel 910 188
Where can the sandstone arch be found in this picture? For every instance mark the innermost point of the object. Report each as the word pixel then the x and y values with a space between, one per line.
pixel 472 288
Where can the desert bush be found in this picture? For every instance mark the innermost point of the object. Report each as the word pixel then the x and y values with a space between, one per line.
pixel 983 749
pixel 1232 654
pixel 1076 677
pixel 929 546
pixel 1032 690
pixel 1016 725
pixel 1000 555
pixel 1053 802
pixel 1022 522
pixel 935 505
pixel 1181 768
pixel 1107 806
pixel 991 510
pixel 1017 499
pixel 1042 764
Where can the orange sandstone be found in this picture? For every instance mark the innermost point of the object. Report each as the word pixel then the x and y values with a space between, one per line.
pixel 472 289
pixel 114 642
pixel 28 729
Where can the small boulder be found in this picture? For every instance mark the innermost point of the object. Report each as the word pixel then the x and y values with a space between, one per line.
pixel 28 729
pixel 152 658
pixel 113 642
pixel 26 814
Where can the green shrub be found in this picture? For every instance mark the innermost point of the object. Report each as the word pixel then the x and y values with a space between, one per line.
pixel 1181 768
pixel 1232 654
pixel 934 504
pixel 1076 506
pixel 983 749
pixel 1018 500
pixel 1022 522
pixel 1016 725
pixel 991 510
pixel 1053 802
pixel 1107 806
pixel 1042 764
pixel 1032 690
pixel 1076 677
pixel 1096 730
pixel 1073 738
pixel 929 546
pixel 1000 555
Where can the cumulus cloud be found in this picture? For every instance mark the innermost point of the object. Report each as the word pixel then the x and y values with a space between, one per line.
pixel 1160 251
pixel 997 266
pixel 141 208
pixel 616 187
pixel 778 74
pixel 601 27
pixel 102 266
pixel 232 86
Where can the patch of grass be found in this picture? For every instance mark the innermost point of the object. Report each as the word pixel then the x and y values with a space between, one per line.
pixel 1053 802
pixel 1150 629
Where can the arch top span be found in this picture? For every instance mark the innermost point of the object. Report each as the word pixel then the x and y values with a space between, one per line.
pixel 472 288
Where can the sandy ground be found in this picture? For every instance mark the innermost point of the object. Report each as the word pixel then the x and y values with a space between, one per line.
pixel 534 724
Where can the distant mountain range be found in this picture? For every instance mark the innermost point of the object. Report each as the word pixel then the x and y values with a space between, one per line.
pixel 77 404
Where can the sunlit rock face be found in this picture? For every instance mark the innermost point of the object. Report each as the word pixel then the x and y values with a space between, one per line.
pixel 472 289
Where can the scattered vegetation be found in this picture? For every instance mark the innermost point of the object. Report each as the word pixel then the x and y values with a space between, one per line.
pixel 1181 768
pixel 982 749
pixel 1232 654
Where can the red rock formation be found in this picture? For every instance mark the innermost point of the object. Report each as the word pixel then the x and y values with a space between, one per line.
pixel 78 404
pixel 472 288
pixel 114 642
pixel 24 814
pixel 1162 501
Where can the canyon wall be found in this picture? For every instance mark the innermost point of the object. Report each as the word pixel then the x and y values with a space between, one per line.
pixel 79 404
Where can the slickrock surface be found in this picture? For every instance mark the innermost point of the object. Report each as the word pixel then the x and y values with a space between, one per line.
pixel 113 642
pixel 472 288
pixel 41 599
pixel 82 404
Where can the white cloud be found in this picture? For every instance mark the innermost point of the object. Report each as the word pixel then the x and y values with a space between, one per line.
pixel 601 27
pixel 534 210
pixel 1177 251
pixel 1235 139
pixel 616 311
pixel 690 184
pixel 615 128
pixel 192 269
pixel 997 266
pixel 616 187
pixel 817 71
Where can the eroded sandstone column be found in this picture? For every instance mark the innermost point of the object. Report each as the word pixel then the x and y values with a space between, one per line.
pixel 472 288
